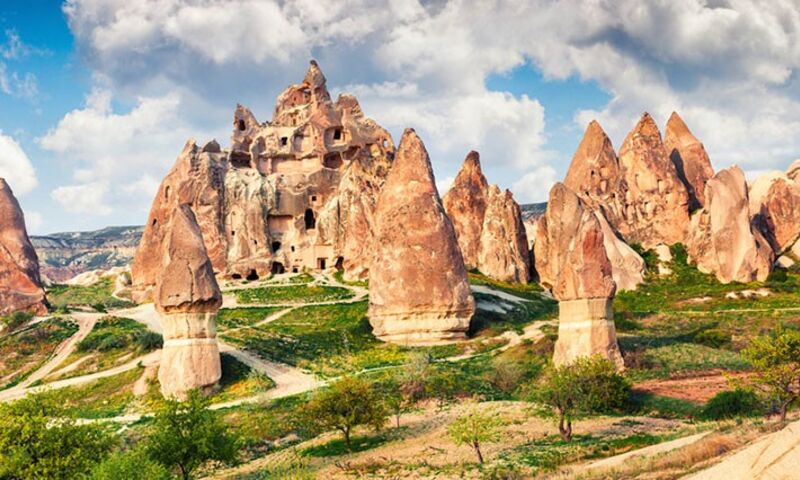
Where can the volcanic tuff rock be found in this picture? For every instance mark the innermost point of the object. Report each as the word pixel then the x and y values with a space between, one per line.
pixel 297 192
pixel 775 209
pixel 418 283
pixel 465 204
pixel 20 285
pixel 595 175
pixel 690 159
pixel 504 254
pixel 571 260
pixel 488 225
pixel 721 240
pixel 187 298
pixel 656 199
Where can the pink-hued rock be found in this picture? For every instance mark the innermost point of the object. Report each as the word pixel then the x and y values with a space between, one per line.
pixel 774 205
pixel 571 260
pixel 503 250
pixel 690 159
pixel 656 200
pixel 196 179
pixel 570 256
pixel 465 204
pixel 187 298
pixel 596 177
pixel 418 282
pixel 295 193
pixel 20 285
pixel 721 239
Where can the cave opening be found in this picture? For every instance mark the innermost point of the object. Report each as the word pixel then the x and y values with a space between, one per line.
pixel 253 275
pixel 277 268
pixel 340 264
pixel 311 221
pixel 241 125
pixel 276 246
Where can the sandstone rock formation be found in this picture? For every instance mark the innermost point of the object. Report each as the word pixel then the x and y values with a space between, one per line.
pixel 488 225
pixel 418 282
pixel 465 204
pixel 187 299
pixel 295 193
pixel 656 200
pixel 775 209
pixel 504 253
pixel 596 176
pixel 571 261
pixel 690 159
pixel 20 285
pixel 721 240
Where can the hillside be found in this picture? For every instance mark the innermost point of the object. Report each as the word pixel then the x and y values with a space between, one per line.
pixel 64 255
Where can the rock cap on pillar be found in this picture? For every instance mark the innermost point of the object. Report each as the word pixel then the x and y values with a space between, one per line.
pixel 187 298
pixel 573 260
pixel 419 292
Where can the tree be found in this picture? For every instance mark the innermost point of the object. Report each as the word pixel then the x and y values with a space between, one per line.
pixel 776 359
pixel 589 386
pixel 133 465
pixel 396 400
pixel 474 429
pixel 344 405
pixel 187 434
pixel 40 439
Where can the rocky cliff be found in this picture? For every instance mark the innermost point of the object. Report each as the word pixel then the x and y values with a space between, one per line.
pixel 64 255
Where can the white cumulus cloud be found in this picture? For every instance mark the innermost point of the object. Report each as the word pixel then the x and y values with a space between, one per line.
pixel 88 198
pixel 15 166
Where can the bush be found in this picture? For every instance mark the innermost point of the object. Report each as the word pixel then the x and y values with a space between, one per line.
pixel 713 337
pixel 111 342
pixel 589 386
pixel 16 320
pixel 147 340
pixel 506 375
pixel 133 465
pixel 776 359
pixel 473 429
pixel 738 402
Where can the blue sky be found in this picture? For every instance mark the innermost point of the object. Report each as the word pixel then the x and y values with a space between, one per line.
pixel 99 96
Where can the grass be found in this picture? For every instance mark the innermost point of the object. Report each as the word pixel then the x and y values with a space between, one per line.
pixel 111 342
pixel 102 398
pixel 97 296
pixel 339 276
pixel 26 349
pixel 292 294
pixel 242 317
pixel 239 380
pixel 337 447
pixel 659 406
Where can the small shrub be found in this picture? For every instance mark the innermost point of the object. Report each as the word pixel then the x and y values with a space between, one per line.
pixel 134 465
pixel 738 402
pixel 16 320
pixel 112 342
pixel 474 429
pixel 776 359
pixel 506 375
pixel 148 341
pixel 713 337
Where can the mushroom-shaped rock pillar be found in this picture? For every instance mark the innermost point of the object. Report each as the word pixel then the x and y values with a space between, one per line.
pixel 419 294
pixel 187 299
pixel 573 263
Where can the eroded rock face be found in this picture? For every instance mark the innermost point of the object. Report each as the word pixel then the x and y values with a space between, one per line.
pixel 196 179
pixel 596 176
pixel 721 240
pixel 418 282
pixel 690 159
pixel 187 299
pixel 20 285
pixel 656 200
pixel 291 194
pixel 774 204
pixel 465 204
pixel 571 260
pixel 504 253
pixel 488 225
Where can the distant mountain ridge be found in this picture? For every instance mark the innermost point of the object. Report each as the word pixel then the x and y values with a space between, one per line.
pixel 64 255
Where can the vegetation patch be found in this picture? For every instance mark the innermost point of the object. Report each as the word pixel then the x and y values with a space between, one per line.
pixel 240 380
pixel 530 291
pixel 98 296
pixel 242 317
pixel 102 398
pixel 292 294
pixel 26 349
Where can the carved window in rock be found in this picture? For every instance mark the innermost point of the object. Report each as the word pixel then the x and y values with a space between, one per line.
pixel 277 268
pixel 253 275
pixel 340 264
pixel 337 134
pixel 284 141
pixel 276 246
pixel 310 219
pixel 333 160
pixel 321 263
pixel 240 124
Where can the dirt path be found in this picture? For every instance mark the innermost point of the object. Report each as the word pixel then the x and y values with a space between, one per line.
pixel 86 322
pixel 268 319
pixel 145 360
pixel 697 388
